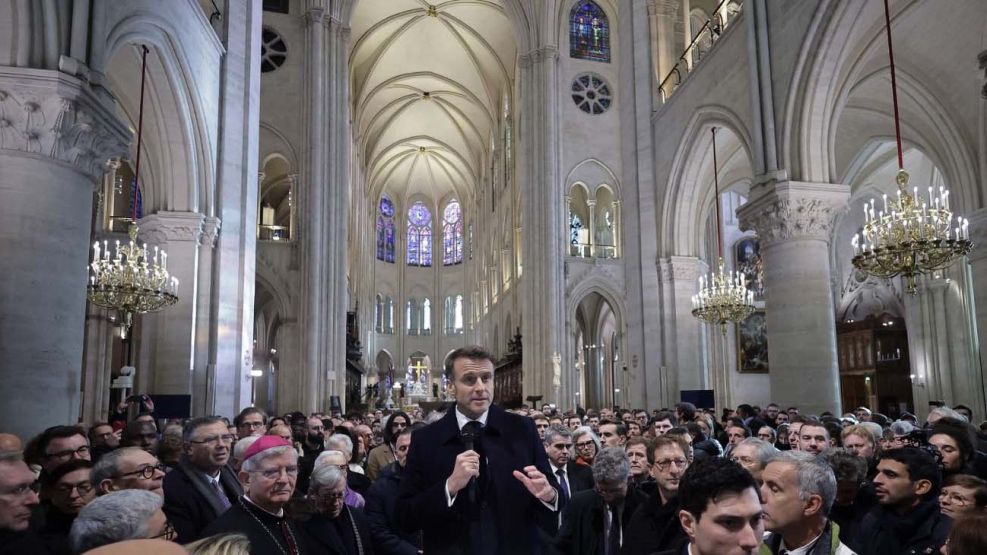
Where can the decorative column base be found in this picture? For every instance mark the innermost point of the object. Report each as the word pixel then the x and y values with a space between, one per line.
pixel 793 221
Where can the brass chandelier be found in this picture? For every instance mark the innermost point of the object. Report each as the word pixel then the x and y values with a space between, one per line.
pixel 913 235
pixel 131 281
pixel 723 296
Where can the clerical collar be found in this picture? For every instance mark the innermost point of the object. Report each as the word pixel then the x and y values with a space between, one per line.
pixel 462 419
pixel 279 514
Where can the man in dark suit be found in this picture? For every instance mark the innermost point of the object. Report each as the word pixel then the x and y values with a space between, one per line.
pixel 491 498
pixel 201 487
pixel 595 520
pixel 571 477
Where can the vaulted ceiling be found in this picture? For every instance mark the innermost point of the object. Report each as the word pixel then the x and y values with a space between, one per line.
pixel 428 82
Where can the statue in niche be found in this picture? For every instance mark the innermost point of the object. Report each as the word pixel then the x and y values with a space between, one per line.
pixel 604 229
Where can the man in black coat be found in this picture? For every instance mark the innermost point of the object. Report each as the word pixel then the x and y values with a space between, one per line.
pixel 477 480
pixel 595 520
pixel 655 526
pixel 571 477
pixel 201 487
pixel 382 498
pixel 907 517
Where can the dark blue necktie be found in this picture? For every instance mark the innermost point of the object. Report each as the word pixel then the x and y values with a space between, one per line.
pixel 563 487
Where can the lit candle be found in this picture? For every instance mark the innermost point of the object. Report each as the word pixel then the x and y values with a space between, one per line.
pixel 885 197
pixel 106 249
pixel 945 200
pixel 930 195
pixel 164 260
pixel 96 251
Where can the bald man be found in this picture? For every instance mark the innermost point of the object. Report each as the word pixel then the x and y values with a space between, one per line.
pixel 144 547
pixel 10 442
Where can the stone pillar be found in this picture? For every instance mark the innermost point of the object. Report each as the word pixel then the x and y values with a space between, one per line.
pixel 542 216
pixel 793 221
pixel 234 273
pixel 97 370
pixel 323 203
pixel 56 137
pixel 170 349
pixel 683 334
pixel 977 269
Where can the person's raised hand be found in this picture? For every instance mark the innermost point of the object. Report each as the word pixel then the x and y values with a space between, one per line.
pixel 466 467
pixel 536 483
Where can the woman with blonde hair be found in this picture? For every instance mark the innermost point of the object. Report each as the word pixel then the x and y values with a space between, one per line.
pixel 220 544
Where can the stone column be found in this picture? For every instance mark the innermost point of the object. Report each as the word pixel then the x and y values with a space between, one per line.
pixel 56 137
pixel 977 269
pixel 233 258
pixel 683 334
pixel 170 349
pixel 323 203
pixel 542 219
pixel 793 221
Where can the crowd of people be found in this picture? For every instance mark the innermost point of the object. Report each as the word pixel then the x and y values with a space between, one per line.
pixel 476 478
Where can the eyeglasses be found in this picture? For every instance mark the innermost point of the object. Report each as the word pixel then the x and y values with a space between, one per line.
pixel 66 489
pixel 332 497
pixel 167 534
pixel 274 473
pixel 22 489
pixel 80 452
pixel 664 465
pixel 585 445
pixel 213 440
pixel 145 472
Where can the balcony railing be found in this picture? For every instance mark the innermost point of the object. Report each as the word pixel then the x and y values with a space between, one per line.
pixel 701 44
pixel 587 250
pixel 273 233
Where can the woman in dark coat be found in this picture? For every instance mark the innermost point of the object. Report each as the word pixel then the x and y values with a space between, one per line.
pixel 335 527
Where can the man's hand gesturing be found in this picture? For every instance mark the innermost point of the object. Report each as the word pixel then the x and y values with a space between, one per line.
pixel 537 483
pixel 467 466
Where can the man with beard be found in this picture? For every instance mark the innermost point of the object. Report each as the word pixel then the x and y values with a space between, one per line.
pixel 383 454
pixel 655 525
pixel 312 444
pixel 270 468
pixel 202 487
pixel 907 518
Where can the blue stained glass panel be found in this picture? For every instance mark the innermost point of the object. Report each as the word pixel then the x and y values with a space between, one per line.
pixel 385 230
pixel 419 235
pixel 589 32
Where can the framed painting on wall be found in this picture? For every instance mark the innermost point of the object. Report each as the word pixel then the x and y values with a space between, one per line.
pixel 747 259
pixel 752 344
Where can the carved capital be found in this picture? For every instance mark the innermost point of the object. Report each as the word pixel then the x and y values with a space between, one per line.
pixel 793 210
pixel 168 227
pixel 680 268
pixel 51 114
pixel 539 55
pixel 210 230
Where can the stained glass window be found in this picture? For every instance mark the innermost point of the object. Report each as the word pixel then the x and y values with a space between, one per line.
pixel 589 32
pixel 385 230
pixel 419 235
pixel 452 234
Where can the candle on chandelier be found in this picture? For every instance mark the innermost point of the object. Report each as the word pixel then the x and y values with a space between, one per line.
pixel 96 251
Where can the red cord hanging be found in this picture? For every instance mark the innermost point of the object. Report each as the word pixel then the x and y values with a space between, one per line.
pixel 140 130
pixel 894 85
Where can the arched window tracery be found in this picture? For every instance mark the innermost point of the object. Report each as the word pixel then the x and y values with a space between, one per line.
pixel 419 235
pixel 452 234
pixel 385 229
pixel 589 32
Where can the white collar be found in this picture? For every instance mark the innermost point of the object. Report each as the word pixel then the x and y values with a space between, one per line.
pixel 462 419
pixel 801 550
pixel 556 469
pixel 279 514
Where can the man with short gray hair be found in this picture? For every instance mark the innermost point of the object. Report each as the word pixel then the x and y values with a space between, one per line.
pixel 754 454
pixel 595 520
pixel 798 492
pixel 119 516
pixel 128 468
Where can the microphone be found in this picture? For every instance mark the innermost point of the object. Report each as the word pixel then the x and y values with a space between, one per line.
pixel 469 435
